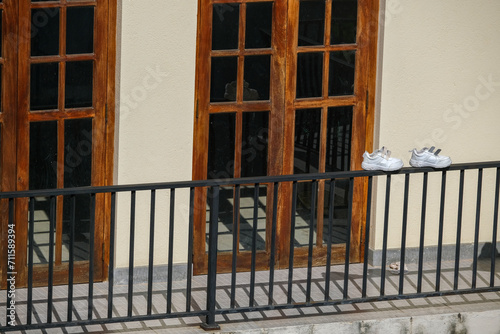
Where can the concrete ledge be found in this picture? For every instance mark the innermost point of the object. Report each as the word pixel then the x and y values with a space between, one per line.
pixel 485 322
pixel 160 274
pixel 430 253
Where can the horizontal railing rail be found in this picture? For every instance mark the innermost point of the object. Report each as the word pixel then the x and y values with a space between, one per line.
pixel 456 199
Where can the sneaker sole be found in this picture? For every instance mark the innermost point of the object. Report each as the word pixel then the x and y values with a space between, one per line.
pixel 366 166
pixel 414 163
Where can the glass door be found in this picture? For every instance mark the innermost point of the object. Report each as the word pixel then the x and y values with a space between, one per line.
pixel 283 88
pixel 62 83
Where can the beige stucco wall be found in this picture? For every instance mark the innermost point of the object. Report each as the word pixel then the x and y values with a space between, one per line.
pixel 155 86
pixel 439 84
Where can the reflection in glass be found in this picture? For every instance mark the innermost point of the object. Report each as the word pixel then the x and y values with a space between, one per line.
pixel 246 219
pixel 257 78
pixel 344 21
pixel 338 139
pixel 79 84
pixel 259 25
pixel 303 214
pixel 77 173
pixel 311 22
pixel 254 144
pixel 309 75
pixel 223 79
pixel 340 212
pixel 44 90
pixel 221 146
pixel 42 175
pixel 80 30
pixel 307 141
pixel 225 23
pixel 45 32
pixel 342 71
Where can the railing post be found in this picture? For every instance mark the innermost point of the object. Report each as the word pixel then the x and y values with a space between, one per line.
pixel 212 262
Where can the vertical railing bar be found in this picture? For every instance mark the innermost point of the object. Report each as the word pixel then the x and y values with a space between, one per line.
pixel 329 242
pixel 171 236
pixel 111 254
pixel 190 250
pixel 403 235
pixel 72 221
pixel 348 239
pixel 131 254
pixel 459 229
pixel 10 263
pixel 385 234
pixel 476 231
pixel 210 323
pixel 236 215
pixel 151 250
pixel 91 254
pixel 292 240
pixel 29 310
pixel 495 229
pixel 314 190
pixel 440 233
pixel 273 242
pixel 367 235
pixel 254 244
pixel 422 234
pixel 50 288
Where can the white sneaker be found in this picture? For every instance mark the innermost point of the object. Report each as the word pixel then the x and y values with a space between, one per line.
pixel 381 160
pixel 426 157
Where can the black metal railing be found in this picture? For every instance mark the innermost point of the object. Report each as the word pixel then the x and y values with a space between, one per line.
pixel 461 189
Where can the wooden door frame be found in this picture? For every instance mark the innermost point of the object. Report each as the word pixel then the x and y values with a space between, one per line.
pixel 105 51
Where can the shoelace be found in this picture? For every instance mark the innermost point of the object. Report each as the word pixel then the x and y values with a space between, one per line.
pixel 430 150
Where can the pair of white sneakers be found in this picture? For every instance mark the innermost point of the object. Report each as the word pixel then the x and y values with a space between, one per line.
pixel 381 159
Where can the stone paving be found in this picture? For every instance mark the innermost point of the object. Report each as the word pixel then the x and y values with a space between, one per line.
pixel 282 317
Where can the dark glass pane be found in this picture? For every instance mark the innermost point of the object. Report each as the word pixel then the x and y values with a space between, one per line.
pixel 311 22
pixel 45 32
pixel 344 21
pixel 77 152
pixel 221 146
pixel 307 141
pixel 254 144
pixel 341 76
pixel 1 35
pixel 77 173
pixel 225 23
pixel 223 79
pixel 339 231
pixel 44 86
pixel 309 75
pixel 257 78
pixel 80 30
pixel 259 25
pixel 338 139
pixel 43 155
pixel 1 105
pixel 79 84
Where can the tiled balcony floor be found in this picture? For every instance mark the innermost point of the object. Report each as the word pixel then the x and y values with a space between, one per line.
pixel 276 318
